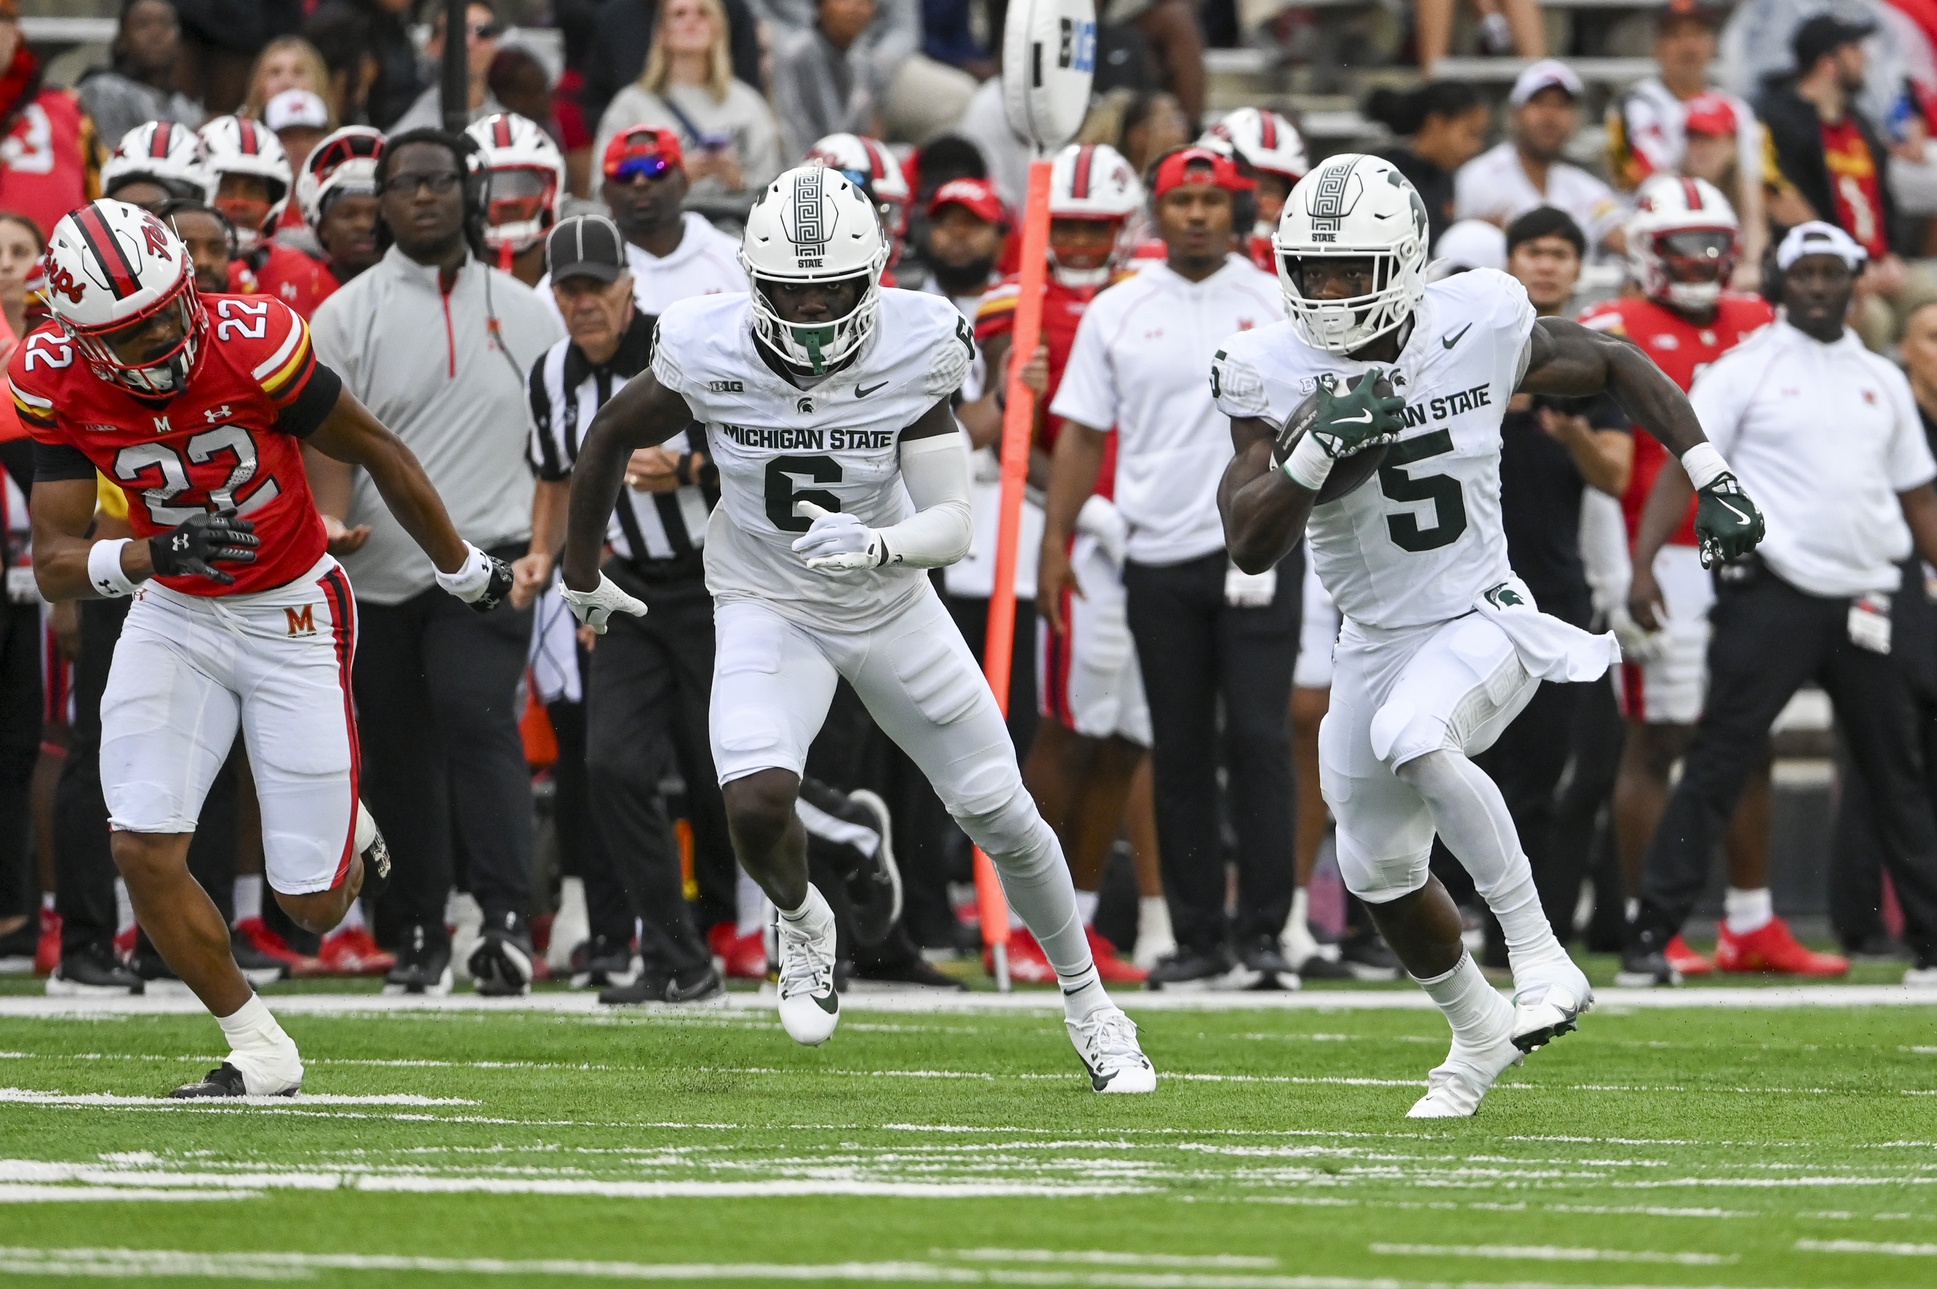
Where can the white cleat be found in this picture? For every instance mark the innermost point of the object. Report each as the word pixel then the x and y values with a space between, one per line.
pixel 809 1006
pixel 1544 1009
pixel 1106 1039
pixel 1454 1089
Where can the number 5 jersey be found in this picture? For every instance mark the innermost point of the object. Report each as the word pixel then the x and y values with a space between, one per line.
pixel 837 444
pixel 1421 540
pixel 228 440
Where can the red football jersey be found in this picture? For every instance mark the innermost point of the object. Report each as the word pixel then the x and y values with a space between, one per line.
pixel 1682 350
pixel 1062 308
pixel 296 279
pixel 229 440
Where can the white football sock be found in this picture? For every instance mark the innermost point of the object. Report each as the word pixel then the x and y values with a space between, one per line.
pixel 1748 911
pixel 755 909
pixel 352 917
pixel 1153 920
pixel 124 909
pixel 248 896
pixel 1086 902
pixel 1035 877
pixel 260 1049
pixel 1299 944
pixel 47 901
pixel 1474 1008
pixel 812 910
pixel 1471 815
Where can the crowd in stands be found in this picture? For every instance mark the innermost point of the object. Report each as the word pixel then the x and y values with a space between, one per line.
pixel 535 786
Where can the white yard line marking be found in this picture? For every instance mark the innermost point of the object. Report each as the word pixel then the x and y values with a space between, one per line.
pixel 1892 1247
pixel 264 1266
pixel 31 1096
pixel 736 1006
pixel 1554 1253
pixel 12 1193
pixel 1109 1257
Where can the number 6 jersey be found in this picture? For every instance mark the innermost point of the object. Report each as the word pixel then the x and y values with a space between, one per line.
pixel 228 440
pixel 1422 539
pixel 837 445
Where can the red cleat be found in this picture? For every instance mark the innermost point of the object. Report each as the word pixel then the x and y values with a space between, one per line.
pixel 269 944
pixel 1686 960
pixel 47 954
pixel 354 952
pixel 742 957
pixel 1027 965
pixel 124 943
pixel 1110 968
pixel 1772 948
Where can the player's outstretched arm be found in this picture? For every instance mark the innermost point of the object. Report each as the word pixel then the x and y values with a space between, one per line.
pixel 1264 509
pixel 1567 358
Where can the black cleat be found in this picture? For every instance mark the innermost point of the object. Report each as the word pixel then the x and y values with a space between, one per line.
pixel 148 962
pixel 701 984
pixel 222 1081
pixel 874 888
pixel 913 971
pixel 1190 969
pixel 1642 968
pixel 1264 960
pixel 91 971
pixel 501 965
pixel 257 967
pixel 1320 967
pixel 423 965
pixel 1366 956
pixel 600 963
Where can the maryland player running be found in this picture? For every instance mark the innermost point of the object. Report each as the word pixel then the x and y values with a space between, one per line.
pixel 1682 244
pixel 198 407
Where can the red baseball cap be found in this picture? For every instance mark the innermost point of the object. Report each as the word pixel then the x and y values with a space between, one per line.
pixel 1710 114
pixel 977 196
pixel 1200 166
pixel 642 150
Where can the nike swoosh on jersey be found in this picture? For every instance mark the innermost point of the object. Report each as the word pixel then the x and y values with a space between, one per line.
pixel 1450 341
pixel 862 391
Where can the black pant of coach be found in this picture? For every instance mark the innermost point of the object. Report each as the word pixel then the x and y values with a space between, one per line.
pixel 1769 638
pixel 646 701
pixel 443 761
pixel 1195 649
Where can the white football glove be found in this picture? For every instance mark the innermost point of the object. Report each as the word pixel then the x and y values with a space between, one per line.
pixel 595 607
pixel 838 542
pixel 1100 518
pixel 1638 644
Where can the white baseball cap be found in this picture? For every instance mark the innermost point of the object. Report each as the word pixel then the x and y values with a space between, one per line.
pixel 1548 73
pixel 1468 244
pixel 1818 238
pixel 293 109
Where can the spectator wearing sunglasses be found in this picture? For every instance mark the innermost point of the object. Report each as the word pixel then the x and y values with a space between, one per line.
pixel 672 252
pixel 481 32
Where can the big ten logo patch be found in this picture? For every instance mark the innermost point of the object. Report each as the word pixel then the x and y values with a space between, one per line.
pixel 302 621
pixel 726 386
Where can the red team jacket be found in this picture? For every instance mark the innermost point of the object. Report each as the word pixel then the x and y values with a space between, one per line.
pixel 1062 309
pixel 298 280
pixel 232 438
pixel 1681 349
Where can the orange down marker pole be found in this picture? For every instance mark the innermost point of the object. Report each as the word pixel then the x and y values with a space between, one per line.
pixel 1018 430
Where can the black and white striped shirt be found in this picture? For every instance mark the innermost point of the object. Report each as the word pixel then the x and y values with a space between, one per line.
pixel 659 533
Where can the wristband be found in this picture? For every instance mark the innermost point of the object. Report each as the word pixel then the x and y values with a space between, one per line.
pixel 472 576
pixel 1308 465
pixel 104 571
pixel 1703 464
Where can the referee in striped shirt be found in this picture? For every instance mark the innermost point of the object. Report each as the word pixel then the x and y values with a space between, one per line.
pixel 650 677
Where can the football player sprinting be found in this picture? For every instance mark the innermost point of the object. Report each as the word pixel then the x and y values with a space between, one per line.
pixel 826 403
pixel 198 406
pixel 1441 645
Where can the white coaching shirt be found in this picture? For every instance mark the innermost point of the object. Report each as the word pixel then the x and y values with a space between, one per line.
pixel 1494 186
pixel 706 262
pixel 1141 362
pixel 1823 437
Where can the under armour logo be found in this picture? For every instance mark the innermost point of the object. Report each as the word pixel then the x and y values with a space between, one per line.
pixel 215 414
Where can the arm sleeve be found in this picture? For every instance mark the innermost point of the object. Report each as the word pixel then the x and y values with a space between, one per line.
pixel 56 461
pixel 312 404
pixel 1088 394
pixel 935 471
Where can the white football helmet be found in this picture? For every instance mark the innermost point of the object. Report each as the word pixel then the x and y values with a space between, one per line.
pixel 236 145
pixel 168 154
pixel 1682 242
pixel 1262 140
pixel 524 173
pixel 812 224
pixel 1091 181
pixel 345 161
pixel 865 161
pixel 110 266
pixel 1353 206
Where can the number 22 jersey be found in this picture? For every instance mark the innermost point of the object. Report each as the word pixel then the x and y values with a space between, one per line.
pixel 1421 539
pixel 230 439
pixel 837 445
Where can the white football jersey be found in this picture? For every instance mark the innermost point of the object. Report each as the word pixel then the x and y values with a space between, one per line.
pixel 837 445
pixel 1420 540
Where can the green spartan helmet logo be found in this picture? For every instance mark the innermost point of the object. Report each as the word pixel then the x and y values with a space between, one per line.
pixel 810 242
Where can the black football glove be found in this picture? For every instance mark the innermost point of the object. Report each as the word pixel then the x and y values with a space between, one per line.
pixel 1727 523
pixel 1346 421
pixel 194 547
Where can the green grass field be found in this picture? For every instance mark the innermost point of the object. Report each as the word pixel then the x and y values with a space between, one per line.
pixel 1687 1146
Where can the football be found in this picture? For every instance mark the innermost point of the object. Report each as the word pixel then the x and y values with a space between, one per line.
pixel 1348 473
